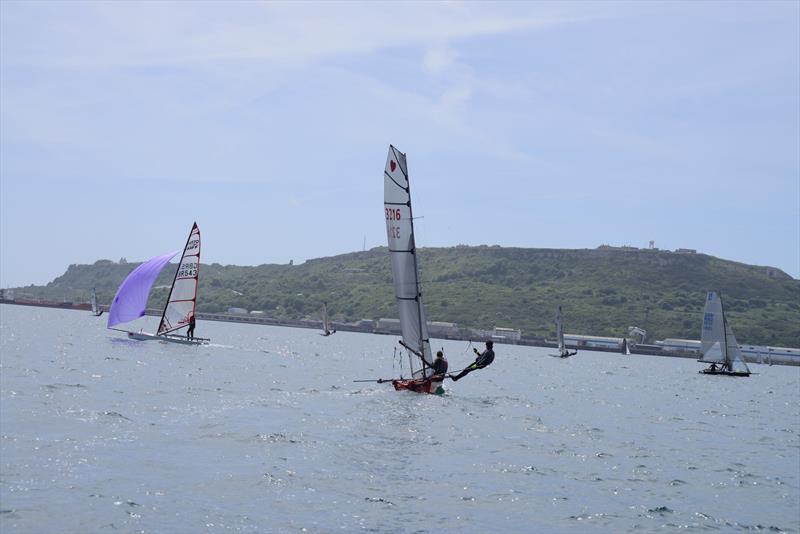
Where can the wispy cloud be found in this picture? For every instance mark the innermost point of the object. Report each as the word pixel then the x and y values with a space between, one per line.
pixel 97 34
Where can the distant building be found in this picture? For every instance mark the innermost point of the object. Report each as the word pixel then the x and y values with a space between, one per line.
pixel 679 345
pixel 442 329
pixel 387 325
pixel 256 312
pixel 510 334
pixel 237 311
pixel 365 323
pixel 575 340
pixel 685 251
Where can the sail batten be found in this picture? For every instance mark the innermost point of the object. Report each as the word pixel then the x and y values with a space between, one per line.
pixel 182 298
pixel 402 252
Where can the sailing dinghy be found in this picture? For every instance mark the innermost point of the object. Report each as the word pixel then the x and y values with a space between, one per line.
pixel 718 343
pixel 563 352
pixel 326 327
pixel 405 272
pixel 131 298
pixel 96 311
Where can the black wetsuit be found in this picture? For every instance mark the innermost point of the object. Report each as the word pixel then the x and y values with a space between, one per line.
pixel 439 366
pixel 484 360
pixel 190 331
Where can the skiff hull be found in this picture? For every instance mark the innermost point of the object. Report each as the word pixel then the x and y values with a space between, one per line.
pixel 724 373
pixel 181 340
pixel 421 385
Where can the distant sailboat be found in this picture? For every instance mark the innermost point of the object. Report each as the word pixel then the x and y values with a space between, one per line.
pixel 326 330
pixel 131 298
pixel 96 311
pixel 718 343
pixel 625 349
pixel 405 272
pixel 563 352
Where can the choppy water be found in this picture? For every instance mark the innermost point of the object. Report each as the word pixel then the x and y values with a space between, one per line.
pixel 264 431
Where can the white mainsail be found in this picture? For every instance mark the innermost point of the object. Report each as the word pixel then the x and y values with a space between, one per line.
pixel 183 294
pixel 403 254
pixel 95 307
pixel 712 336
pixel 560 331
pixel 325 325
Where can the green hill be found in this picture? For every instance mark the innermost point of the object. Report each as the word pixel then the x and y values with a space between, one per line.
pixel 602 291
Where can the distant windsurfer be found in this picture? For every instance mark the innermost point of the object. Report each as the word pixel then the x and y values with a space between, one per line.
pixel 484 359
pixel 190 331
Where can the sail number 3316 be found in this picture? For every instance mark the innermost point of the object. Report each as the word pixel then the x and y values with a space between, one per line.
pixel 393 214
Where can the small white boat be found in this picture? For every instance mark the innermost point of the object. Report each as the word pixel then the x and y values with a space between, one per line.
pixel 326 330
pixel 718 343
pixel 96 311
pixel 131 298
pixel 563 352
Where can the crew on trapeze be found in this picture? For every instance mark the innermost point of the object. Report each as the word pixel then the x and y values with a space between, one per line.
pixel 484 359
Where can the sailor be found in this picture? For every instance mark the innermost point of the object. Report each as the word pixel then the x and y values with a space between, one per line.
pixel 713 367
pixel 190 331
pixel 439 364
pixel 484 359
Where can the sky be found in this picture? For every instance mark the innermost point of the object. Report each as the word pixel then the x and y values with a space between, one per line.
pixel 563 125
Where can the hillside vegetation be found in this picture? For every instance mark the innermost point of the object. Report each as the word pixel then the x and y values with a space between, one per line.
pixel 602 291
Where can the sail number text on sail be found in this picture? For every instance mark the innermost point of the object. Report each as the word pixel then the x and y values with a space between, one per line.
pixel 188 270
pixel 393 215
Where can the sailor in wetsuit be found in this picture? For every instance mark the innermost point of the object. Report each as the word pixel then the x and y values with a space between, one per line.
pixel 439 364
pixel 190 331
pixel 483 360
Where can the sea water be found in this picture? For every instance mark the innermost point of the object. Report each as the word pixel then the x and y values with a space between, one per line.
pixel 265 431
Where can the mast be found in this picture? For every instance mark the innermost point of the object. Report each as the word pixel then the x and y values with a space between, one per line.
pixel 413 250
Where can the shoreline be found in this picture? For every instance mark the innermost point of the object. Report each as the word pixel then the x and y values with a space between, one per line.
pixel 639 350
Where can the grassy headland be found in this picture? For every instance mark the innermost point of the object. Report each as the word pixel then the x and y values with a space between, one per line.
pixel 602 292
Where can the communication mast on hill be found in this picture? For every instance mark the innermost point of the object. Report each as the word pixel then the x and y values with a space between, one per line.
pixel 652 244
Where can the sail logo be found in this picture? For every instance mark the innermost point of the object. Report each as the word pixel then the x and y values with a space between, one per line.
pixel 708 321
pixel 193 244
pixel 392 165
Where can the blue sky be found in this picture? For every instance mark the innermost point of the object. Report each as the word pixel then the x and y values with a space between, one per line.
pixel 540 124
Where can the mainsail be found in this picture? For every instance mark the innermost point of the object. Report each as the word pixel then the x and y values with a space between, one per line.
pixel 131 299
pixel 95 307
pixel 403 254
pixel 712 336
pixel 325 325
pixel 560 331
pixel 183 294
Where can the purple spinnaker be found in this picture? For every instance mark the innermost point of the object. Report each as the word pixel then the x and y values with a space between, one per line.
pixel 131 298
